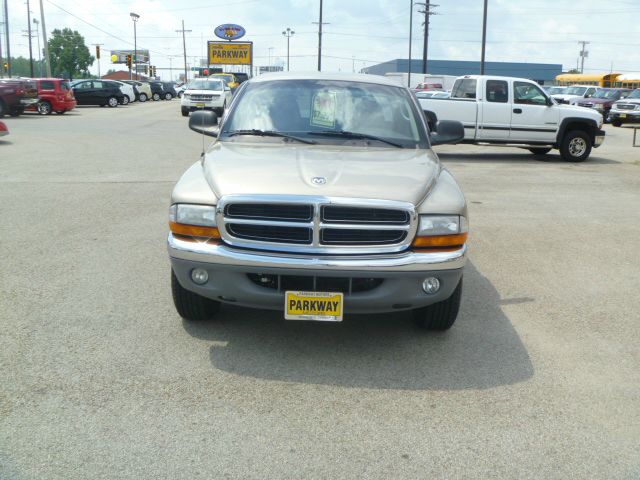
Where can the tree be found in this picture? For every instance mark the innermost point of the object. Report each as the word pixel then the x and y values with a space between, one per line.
pixel 69 55
pixel 574 70
pixel 20 67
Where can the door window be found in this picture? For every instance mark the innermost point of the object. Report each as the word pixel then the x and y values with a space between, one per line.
pixel 83 86
pixel 590 92
pixel 47 85
pixel 497 91
pixel 528 94
pixel 97 84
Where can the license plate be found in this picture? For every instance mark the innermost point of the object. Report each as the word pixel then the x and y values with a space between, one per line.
pixel 623 115
pixel 323 306
pixel 200 105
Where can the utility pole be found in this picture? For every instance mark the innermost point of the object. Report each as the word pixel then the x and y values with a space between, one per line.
pixel 410 40
pixel 583 54
pixel 29 30
pixel 288 33
pixel 1 62
pixel 6 32
pixel 425 45
pixel 184 47
pixel 35 21
pixel 320 23
pixel 484 37
pixel 44 40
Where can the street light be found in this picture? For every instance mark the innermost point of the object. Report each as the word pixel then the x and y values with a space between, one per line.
pixel 288 33
pixel 134 17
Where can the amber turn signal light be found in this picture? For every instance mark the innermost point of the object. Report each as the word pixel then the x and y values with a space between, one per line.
pixel 194 230
pixel 441 241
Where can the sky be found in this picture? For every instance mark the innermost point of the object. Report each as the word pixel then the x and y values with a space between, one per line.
pixel 358 33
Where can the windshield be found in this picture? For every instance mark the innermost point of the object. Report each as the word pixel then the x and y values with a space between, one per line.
pixel 205 85
pixel 575 90
pixel 635 94
pixel 555 90
pixel 226 79
pixel 606 94
pixel 318 109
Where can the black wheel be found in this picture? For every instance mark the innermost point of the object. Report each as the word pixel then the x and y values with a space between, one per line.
pixel 168 96
pixel 179 94
pixel 616 123
pixel 442 315
pixel 44 108
pixel 126 100
pixel 185 112
pixel 112 102
pixel 61 112
pixel 15 113
pixel 192 306
pixel 3 109
pixel 156 97
pixel 576 146
pixel 539 151
pixel 143 97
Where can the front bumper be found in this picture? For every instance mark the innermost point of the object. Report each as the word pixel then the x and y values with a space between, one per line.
pixel 630 116
pixel 401 275
pixel 599 138
pixel 25 102
pixel 207 105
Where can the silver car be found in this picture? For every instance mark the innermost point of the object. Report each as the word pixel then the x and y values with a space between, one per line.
pixel 320 196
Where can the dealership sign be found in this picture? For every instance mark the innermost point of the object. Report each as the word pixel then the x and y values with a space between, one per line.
pixel 120 56
pixel 230 31
pixel 230 53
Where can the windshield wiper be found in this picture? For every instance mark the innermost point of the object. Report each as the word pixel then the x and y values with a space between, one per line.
pixel 355 135
pixel 269 133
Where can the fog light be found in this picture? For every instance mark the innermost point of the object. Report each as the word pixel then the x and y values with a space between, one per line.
pixel 199 276
pixel 431 285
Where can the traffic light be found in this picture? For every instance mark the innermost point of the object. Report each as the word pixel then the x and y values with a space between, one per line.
pixel 152 70
pixel 98 52
pixel 5 65
pixel 129 63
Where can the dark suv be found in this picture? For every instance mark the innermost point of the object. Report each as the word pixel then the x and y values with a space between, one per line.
pixel 169 90
pixel 16 95
pixel 97 92
pixel 157 90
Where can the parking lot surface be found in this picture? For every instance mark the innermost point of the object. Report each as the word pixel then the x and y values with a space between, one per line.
pixel 100 378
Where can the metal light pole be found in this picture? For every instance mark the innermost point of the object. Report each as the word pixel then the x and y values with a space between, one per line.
pixel 6 31
pixel 320 23
pixel 288 33
pixel 44 40
pixel 35 21
pixel 135 17
pixel 410 40
pixel 484 37
pixel 29 28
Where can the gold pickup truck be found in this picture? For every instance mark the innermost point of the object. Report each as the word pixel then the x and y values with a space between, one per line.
pixel 321 196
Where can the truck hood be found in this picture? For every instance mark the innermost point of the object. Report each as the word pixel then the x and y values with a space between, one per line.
pixel 267 168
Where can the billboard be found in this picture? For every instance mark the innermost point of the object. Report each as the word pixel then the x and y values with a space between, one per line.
pixel 142 56
pixel 230 31
pixel 230 53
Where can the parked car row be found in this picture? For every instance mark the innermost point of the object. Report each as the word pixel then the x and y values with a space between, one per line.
pixel 48 95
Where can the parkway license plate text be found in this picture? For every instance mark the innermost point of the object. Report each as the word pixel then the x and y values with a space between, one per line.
pixel 323 306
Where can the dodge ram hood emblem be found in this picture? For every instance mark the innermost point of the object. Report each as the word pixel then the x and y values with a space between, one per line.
pixel 318 180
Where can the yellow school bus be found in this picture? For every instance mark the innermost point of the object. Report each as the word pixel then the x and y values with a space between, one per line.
pixel 628 80
pixel 598 79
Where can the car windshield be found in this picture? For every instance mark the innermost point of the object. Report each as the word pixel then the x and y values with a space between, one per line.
pixel 205 85
pixel 606 94
pixel 329 111
pixel 555 90
pixel 635 94
pixel 575 90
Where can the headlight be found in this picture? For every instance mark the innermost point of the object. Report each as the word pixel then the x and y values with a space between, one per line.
pixel 193 220
pixel 439 231
pixel 599 106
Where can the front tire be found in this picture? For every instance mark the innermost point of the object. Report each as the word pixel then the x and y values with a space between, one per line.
pixel 442 315
pixel 44 108
pixel 112 102
pixel 616 123
pixel 576 146
pixel 185 112
pixel 156 97
pixel 539 151
pixel 192 306
pixel 168 96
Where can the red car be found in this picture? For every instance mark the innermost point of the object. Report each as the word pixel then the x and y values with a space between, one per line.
pixel 55 96
pixel 3 130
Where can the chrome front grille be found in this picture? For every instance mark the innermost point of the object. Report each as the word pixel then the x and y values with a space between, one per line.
pixel 202 97
pixel 625 106
pixel 306 224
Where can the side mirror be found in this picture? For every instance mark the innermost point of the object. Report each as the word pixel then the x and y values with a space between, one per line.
pixel 447 131
pixel 204 122
pixel 550 102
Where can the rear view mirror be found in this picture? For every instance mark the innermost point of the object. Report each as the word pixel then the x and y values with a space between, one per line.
pixel 447 131
pixel 205 122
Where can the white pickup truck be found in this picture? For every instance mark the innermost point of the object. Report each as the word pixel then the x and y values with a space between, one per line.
pixel 517 112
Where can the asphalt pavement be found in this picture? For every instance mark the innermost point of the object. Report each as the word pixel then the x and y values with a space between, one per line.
pixel 101 379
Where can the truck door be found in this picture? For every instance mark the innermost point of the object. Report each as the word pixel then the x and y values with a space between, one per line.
pixel 494 120
pixel 532 118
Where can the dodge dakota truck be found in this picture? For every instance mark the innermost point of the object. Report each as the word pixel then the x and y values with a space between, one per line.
pixel 320 196
pixel 517 112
